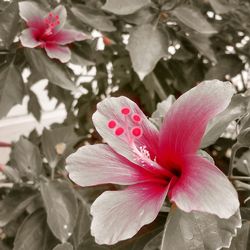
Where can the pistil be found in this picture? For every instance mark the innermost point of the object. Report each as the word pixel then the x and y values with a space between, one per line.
pixel 130 130
pixel 51 22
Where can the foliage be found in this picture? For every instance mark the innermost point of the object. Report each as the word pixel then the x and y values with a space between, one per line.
pixel 151 49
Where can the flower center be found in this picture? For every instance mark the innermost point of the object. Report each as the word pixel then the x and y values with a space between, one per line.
pixel 51 22
pixel 130 130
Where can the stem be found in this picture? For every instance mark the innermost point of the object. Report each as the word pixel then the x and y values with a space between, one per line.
pixel 155 24
pixel 5 144
pixel 240 178
pixel 234 150
pixel 52 174
pixel 243 82
pixel 241 185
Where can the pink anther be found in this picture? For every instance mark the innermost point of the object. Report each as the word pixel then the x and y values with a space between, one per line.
pixel 136 131
pixel 136 118
pixel 119 131
pixel 125 110
pixel 111 124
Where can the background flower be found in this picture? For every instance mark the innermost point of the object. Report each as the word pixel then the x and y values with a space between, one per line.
pixel 46 31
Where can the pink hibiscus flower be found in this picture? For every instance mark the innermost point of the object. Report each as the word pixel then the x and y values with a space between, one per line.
pixel 153 164
pixel 46 30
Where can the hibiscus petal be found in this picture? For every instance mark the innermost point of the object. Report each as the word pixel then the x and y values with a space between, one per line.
pixel 60 10
pixel 58 52
pixel 118 215
pixel 30 11
pixel 66 36
pixel 27 38
pixel 110 110
pixel 186 121
pixel 203 187
pixel 98 164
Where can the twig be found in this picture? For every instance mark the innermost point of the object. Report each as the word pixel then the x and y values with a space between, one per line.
pixel 5 144
pixel 240 178
pixel 241 185
pixel 235 147
pixel 52 174
pixel 243 82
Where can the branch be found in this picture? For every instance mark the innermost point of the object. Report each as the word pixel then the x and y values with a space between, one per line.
pixel 5 145
pixel 240 178
pixel 235 147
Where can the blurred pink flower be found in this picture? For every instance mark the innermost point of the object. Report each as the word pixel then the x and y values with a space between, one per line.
pixel 46 30
pixel 153 164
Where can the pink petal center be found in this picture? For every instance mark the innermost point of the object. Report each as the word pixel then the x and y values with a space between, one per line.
pixel 51 21
pixel 43 30
pixel 130 131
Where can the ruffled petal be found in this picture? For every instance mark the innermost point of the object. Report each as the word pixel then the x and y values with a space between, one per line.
pixel 98 164
pixel 27 38
pixel 58 52
pixel 186 121
pixel 116 128
pixel 203 187
pixel 67 36
pixel 118 215
pixel 30 11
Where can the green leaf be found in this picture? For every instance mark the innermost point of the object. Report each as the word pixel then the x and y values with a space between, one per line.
pixel 236 108
pixel 51 69
pixel 34 106
pixel 61 207
pixel 4 246
pixel 142 16
pixel 9 18
pixel 83 224
pixel 91 245
pixel 11 173
pixel 154 243
pixel 198 231
pixel 93 17
pixel 161 110
pixel 80 60
pixel 203 45
pixel 58 143
pixel 222 6
pixel 229 65
pixel 64 246
pixel 15 204
pixel 125 7
pixel 192 18
pixel 27 157
pixel 11 88
pixel 61 95
pixel 241 241
pixel 243 138
pixel 153 85
pixel 147 45
pixel 32 233
pixel 184 74
pixel 242 164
